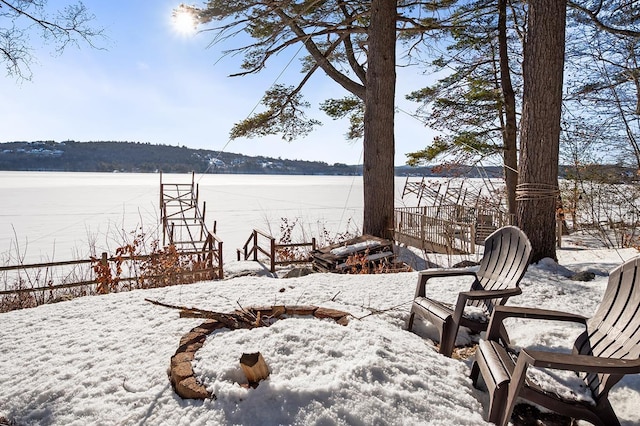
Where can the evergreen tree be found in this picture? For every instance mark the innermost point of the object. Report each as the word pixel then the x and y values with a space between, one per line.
pixel 475 103
pixel 350 41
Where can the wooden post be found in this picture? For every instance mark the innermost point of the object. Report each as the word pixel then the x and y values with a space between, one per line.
pixel 220 271
pixel 202 219
pixel 273 255
pixel 161 189
pixel 254 367
pixel 164 223
pixel 473 238
pixel 255 244
pixel 105 263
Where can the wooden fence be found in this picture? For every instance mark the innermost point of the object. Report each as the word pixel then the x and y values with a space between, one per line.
pixel 435 234
pixel 260 243
pixel 447 228
pixel 45 280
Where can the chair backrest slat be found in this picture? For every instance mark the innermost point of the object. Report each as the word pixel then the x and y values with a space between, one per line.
pixel 614 330
pixel 499 277
pixel 504 263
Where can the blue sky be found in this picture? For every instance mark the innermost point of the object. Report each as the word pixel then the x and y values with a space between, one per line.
pixel 153 84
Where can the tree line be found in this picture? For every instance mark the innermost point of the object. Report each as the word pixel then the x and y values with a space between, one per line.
pixel 110 156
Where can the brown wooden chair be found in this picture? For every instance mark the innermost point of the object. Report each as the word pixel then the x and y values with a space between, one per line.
pixel 608 349
pixel 507 252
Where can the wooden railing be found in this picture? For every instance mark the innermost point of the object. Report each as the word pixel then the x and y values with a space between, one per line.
pixel 261 243
pixel 436 234
pixel 212 253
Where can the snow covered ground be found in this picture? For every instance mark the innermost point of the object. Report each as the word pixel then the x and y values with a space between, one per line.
pixel 104 359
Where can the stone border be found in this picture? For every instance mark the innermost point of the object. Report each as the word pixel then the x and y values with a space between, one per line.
pixel 181 372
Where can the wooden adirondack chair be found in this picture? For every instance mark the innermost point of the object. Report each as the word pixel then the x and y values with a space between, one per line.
pixel 608 349
pixel 507 252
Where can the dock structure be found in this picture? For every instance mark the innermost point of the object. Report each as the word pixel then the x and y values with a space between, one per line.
pixel 183 224
pixel 448 218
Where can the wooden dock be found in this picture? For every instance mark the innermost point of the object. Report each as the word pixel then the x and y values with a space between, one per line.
pixel 183 223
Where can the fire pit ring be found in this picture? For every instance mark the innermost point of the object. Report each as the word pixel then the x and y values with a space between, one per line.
pixel 181 372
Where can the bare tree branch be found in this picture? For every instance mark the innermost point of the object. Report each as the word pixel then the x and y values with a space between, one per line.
pixel 68 26
pixel 593 16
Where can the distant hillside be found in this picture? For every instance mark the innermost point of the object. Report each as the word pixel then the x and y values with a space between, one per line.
pixel 74 156
pixel 145 157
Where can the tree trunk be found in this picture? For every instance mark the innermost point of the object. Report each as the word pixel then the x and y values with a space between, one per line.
pixel 540 125
pixel 510 130
pixel 379 144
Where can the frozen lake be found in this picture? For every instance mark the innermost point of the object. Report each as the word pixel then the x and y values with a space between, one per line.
pixel 54 216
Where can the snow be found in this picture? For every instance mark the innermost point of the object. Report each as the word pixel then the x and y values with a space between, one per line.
pixel 104 359
pixel 353 248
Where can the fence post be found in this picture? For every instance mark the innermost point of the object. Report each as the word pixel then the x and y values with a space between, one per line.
pixel 105 263
pixel 473 238
pixel 255 245
pixel 220 271
pixel 273 255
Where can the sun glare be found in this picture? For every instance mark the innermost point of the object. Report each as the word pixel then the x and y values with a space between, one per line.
pixel 183 21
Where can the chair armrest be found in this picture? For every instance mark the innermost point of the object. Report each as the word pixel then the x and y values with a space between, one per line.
pixel 491 294
pixel 465 296
pixel 446 272
pixel 501 312
pixel 579 363
pixel 424 276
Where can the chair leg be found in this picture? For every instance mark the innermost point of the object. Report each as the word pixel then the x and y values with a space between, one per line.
pixel 605 413
pixel 410 320
pixel 497 404
pixel 512 391
pixel 497 395
pixel 475 373
pixel 448 337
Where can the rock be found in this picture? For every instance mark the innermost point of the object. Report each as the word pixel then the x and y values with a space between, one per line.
pixel 193 338
pixel 182 357
pixel 181 371
pixel 298 272
pixel 189 388
pixel 63 298
pixel 339 316
pixel 583 276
